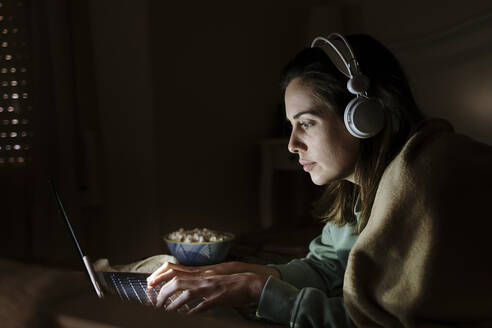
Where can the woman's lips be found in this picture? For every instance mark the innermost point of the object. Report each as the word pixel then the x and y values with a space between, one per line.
pixel 307 166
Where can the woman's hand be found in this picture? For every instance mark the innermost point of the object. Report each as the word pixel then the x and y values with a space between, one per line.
pixel 231 283
pixel 239 289
pixel 170 270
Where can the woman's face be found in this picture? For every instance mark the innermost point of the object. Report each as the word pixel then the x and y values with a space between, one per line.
pixel 326 149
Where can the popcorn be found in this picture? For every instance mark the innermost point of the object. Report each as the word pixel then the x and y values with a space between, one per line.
pixel 197 236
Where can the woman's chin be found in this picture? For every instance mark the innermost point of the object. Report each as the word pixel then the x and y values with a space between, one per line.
pixel 317 180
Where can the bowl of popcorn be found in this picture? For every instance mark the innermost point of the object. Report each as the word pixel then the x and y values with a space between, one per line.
pixel 199 246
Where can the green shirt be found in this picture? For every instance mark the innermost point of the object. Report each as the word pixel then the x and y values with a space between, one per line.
pixel 309 292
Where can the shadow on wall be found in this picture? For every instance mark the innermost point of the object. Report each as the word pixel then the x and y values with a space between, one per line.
pixel 451 73
pixel 445 49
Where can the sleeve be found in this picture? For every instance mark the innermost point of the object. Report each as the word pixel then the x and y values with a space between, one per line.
pixel 307 307
pixel 320 269
pixel 326 275
pixel 308 293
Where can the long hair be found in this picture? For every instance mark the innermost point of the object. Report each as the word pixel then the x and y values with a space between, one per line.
pixel 328 86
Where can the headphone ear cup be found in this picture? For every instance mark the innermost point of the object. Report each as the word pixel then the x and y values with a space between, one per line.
pixel 364 117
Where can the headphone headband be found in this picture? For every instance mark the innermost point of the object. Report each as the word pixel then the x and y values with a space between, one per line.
pixel 363 116
pixel 347 63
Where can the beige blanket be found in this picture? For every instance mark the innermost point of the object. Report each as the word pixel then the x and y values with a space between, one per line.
pixel 147 265
pixel 424 258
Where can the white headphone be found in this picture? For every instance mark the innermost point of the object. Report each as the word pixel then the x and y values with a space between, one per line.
pixel 363 116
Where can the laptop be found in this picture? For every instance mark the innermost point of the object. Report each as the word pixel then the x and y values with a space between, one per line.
pixel 128 286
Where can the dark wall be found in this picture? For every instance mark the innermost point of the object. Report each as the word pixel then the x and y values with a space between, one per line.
pixel 216 74
pixel 184 94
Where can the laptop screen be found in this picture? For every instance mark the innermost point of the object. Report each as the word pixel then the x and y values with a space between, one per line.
pixel 85 259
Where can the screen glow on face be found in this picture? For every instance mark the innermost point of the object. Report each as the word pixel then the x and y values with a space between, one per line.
pixel 326 150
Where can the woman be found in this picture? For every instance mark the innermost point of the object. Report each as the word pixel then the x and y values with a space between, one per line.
pixel 398 202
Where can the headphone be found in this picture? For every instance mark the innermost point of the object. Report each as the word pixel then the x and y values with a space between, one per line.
pixel 363 116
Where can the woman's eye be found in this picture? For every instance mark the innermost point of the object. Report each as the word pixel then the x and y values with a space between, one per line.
pixel 305 125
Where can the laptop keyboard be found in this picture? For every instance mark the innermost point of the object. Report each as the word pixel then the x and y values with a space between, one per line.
pixel 133 287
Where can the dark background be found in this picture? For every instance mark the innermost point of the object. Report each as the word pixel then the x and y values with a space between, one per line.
pixel 149 114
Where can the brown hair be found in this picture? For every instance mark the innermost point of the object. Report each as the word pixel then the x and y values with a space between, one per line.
pixel 390 86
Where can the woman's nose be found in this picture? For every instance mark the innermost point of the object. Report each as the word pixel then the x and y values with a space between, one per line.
pixel 295 145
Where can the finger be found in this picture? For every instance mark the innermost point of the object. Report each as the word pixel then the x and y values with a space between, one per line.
pixel 183 268
pixel 205 304
pixel 217 298
pixel 167 266
pixel 166 276
pixel 163 268
pixel 181 300
pixel 175 285
pixel 167 290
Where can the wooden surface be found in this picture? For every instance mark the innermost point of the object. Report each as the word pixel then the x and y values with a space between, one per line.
pixel 87 311
pixel 34 296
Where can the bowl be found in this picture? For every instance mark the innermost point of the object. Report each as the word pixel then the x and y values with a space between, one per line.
pixel 200 253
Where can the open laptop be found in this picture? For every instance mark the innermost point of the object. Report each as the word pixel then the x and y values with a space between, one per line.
pixel 127 285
